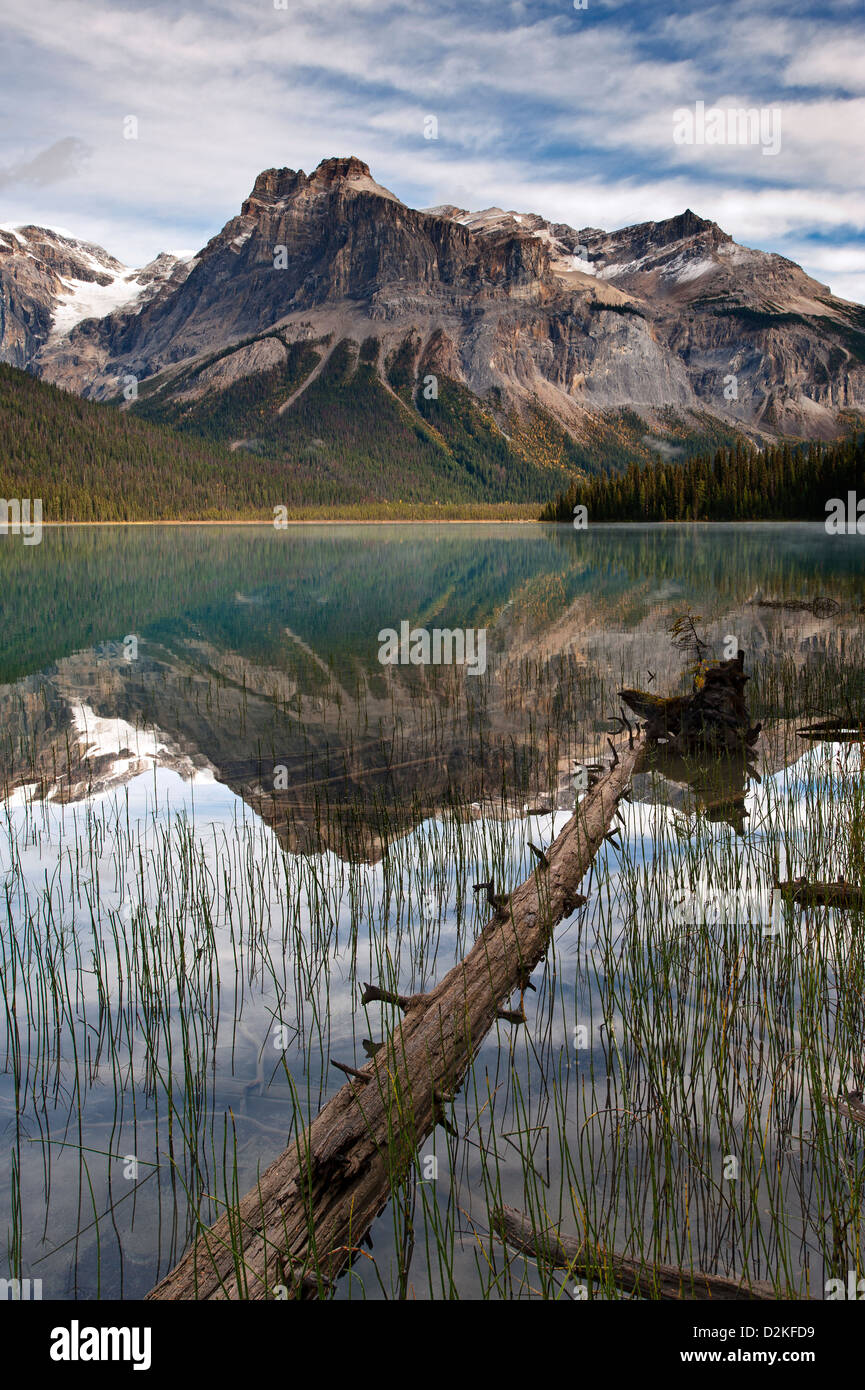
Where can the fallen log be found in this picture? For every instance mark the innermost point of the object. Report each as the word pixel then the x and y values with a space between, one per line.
pixel 847 896
pixel 642 1278
pixel 819 607
pixel 849 730
pixel 302 1223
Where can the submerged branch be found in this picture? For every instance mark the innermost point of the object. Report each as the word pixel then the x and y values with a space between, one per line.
pixel 847 896
pixel 642 1278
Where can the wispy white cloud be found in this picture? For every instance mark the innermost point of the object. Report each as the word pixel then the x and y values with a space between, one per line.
pixel 59 161
pixel 838 63
pixel 539 107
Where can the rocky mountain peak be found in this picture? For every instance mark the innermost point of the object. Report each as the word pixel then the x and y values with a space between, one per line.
pixel 277 186
pixel 689 224
pixel 351 173
pixel 340 167
pixel 450 211
pixel 50 281
pixel 275 183
pixel 513 307
pixel 655 237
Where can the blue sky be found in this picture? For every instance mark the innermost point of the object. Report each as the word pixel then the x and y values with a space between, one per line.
pixel 540 107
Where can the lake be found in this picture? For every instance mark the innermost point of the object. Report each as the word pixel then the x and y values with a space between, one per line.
pixel 224 812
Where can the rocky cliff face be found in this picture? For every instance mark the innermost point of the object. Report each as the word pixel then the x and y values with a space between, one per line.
pixel 50 282
pixel 520 311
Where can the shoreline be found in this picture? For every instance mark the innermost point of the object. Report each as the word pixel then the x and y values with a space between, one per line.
pixel 428 521
pixel 328 521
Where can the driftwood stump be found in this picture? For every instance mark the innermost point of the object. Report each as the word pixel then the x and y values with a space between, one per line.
pixel 712 719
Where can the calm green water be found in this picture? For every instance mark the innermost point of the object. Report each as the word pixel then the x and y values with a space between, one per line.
pixel 336 586
pixel 231 627
pixel 210 776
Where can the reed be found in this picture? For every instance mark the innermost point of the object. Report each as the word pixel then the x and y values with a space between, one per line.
pixel 176 980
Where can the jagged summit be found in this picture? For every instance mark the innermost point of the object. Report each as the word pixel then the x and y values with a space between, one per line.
pixel 684 224
pixel 353 173
pixel 340 167
pixel 449 210
pixel 519 311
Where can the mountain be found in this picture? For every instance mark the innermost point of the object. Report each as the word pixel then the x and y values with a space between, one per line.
pixel 50 281
pixel 513 349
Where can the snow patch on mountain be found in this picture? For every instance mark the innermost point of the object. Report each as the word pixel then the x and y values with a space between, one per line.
pixel 681 269
pixel 609 272
pixel 8 228
pixel 88 300
pixel 740 255
pixel 82 280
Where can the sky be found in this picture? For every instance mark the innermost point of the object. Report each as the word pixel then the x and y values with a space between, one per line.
pixel 573 110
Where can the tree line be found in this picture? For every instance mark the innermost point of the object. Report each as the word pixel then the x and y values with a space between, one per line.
pixel 783 482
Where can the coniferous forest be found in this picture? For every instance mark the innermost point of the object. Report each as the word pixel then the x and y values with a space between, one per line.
pixel 90 461
pixel 782 482
pixel 93 462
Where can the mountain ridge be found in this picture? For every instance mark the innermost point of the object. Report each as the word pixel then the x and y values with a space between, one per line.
pixel 518 317
pixel 52 280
